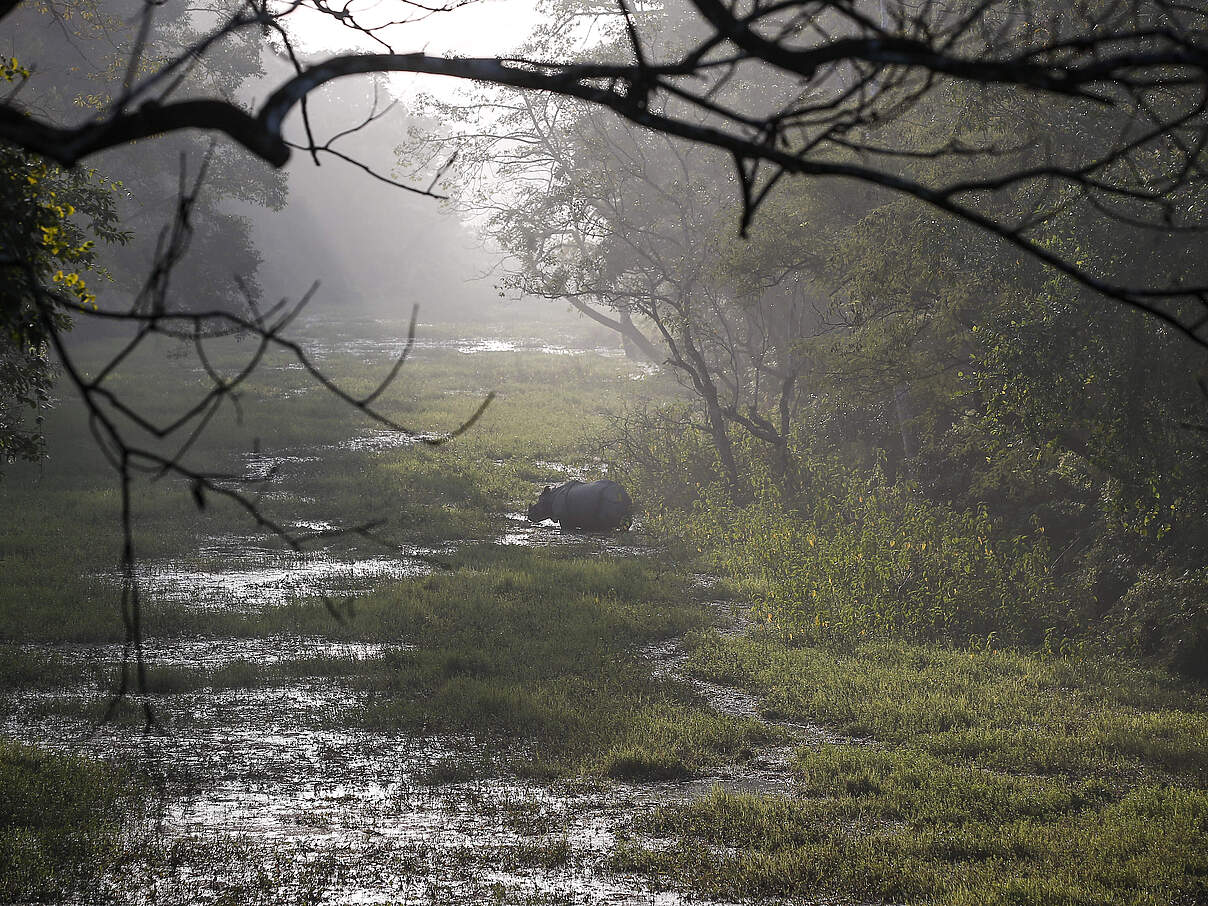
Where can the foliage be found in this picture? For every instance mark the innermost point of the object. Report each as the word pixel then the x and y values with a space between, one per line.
pixel 48 255
pixel 1108 395
pixel 62 823
pixel 996 539
pixel 83 50
pixel 875 559
pixel 1167 616
pixel 971 446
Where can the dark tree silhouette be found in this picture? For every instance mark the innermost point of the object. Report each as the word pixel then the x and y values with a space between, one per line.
pixel 1138 70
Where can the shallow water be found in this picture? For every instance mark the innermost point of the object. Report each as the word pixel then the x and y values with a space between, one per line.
pixel 519 531
pixel 278 785
pixel 250 578
pixel 283 780
pixel 279 776
pixel 381 339
pixel 210 653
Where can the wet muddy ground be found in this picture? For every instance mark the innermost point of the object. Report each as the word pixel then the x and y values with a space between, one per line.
pixel 276 783
pixel 274 791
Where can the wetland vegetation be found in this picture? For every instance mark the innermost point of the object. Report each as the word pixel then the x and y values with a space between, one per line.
pixel 888 316
pixel 536 715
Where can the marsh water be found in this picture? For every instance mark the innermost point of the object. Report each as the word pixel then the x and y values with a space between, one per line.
pixel 275 788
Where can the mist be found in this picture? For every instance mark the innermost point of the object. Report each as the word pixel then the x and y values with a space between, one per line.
pixel 377 249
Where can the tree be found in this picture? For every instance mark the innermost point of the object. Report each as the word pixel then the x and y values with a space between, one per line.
pixel 77 47
pixel 626 226
pixel 43 245
pixel 1139 65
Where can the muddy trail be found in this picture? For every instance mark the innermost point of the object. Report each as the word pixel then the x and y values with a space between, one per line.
pixel 272 792
pixel 276 785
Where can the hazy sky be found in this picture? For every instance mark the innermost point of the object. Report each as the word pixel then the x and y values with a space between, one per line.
pixel 478 29
pixel 375 247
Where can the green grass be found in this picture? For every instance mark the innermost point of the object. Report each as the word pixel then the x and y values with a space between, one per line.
pixel 957 776
pixel 970 777
pixel 1146 847
pixel 23 668
pixel 536 651
pixel 1003 710
pixel 63 823
pixel 532 651
pixel 67 508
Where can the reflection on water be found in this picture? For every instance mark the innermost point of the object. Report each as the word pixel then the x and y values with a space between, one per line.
pixel 323 338
pixel 268 466
pixel 281 776
pixel 245 576
pixel 520 531
pixel 211 653
pixel 379 440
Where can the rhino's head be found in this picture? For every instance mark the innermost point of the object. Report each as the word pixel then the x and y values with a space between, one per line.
pixel 544 507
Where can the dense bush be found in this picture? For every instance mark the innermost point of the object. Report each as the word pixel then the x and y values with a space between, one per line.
pixel 873 558
pixel 1166 617
pixel 1027 549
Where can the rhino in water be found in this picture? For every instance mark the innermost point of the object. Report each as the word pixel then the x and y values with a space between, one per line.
pixel 598 506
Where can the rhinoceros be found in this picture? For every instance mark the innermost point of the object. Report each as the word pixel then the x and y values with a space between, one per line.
pixel 598 506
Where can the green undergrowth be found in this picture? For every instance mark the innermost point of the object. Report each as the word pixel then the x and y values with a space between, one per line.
pixel 1000 709
pixel 64 822
pixel 871 558
pixel 22 668
pixel 1146 847
pixel 540 652
pixel 956 777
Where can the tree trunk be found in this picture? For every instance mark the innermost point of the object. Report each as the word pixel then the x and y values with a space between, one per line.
pixel 630 335
pixel 901 406
pixel 718 423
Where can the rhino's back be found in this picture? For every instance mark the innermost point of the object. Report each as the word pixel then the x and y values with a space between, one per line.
pixel 598 505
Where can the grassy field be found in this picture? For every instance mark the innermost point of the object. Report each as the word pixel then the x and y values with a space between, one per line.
pixel 67 507
pixel 955 777
pixel 916 773
pixel 64 822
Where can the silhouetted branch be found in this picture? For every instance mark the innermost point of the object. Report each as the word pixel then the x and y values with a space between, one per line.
pixel 120 427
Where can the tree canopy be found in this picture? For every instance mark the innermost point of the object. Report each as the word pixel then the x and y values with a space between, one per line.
pixel 1130 75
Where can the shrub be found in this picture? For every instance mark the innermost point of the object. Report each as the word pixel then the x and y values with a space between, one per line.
pixel 871 558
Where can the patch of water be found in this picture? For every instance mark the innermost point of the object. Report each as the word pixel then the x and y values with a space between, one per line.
pixel 521 532
pixel 550 466
pixel 228 575
pixel 379 440
pixel 277 773
pixel 211 653
pixel 390 345
pixel 532 534
pixel 259 466
pixel 318 527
